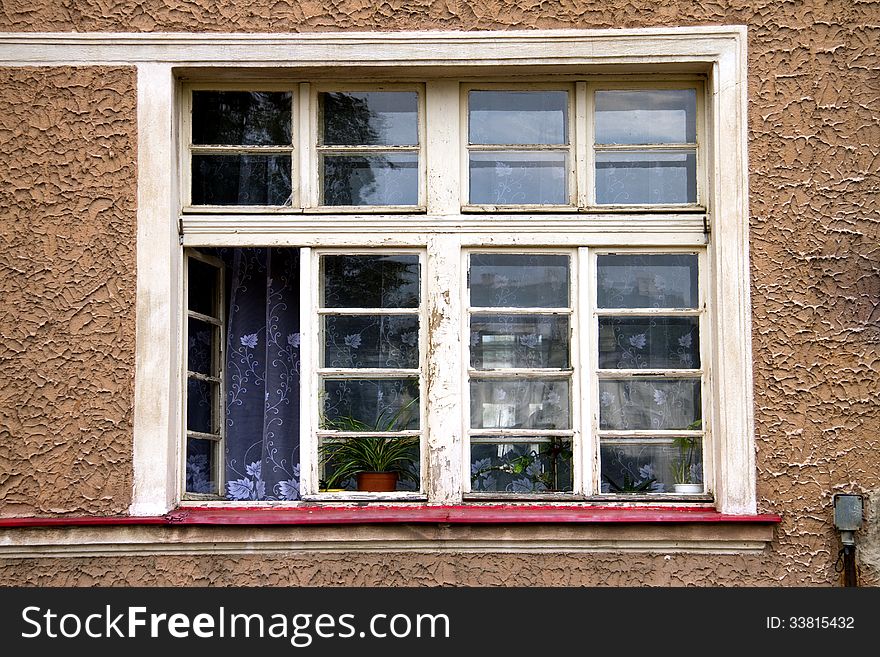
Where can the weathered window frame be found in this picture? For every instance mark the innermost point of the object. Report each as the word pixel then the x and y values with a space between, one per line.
pixel 311 432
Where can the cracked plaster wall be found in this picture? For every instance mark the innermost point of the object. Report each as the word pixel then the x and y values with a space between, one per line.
pixel 65 399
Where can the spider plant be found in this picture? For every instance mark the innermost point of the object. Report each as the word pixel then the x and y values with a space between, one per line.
pixel 350 456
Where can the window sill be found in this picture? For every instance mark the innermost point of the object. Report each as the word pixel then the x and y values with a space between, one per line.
pixel 360 513
pixel 506 528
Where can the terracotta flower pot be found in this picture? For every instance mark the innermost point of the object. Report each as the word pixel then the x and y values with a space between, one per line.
pixel 377 482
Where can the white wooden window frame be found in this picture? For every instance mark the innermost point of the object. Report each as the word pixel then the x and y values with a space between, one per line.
pixel 575 165
pixel 313 173
pixel 703 313
pixel 443 59
pixel 573 374
pixel 702 130
pixel 310 363
pixel 218 366
pixel 188 149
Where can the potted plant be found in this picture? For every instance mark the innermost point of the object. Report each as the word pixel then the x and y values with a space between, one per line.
pixel 685 467
pixel 375 462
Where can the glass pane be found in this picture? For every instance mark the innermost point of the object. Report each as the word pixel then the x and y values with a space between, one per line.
pixel 370 404
pixel 646 177
pixel 365 281
pixel 648 281
pixel 201 466
pixel 202 288
pixel 520 404
pixel 241 179
pixel 518 117
pixel 201 353
pixel 536 465
pixel 343 460
pixel 519 280
pixel 629 404
pixel 516 178
pixel 371 341
pixel 656 116
pixel 649 342
pixel 651 467
pixel 369 118
pixel 201 406
pixel 376 179
pixel 519 341
pixel 241 118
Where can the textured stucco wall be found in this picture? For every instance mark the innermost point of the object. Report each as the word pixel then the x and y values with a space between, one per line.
pixel 814 102
pixel 379 569
pixel 67 286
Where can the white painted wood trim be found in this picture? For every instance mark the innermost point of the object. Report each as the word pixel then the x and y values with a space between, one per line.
pixel 441 150
pixel 447 462
pixel 359 49
pixel 308 363
pixel 157 380
pixel 733 399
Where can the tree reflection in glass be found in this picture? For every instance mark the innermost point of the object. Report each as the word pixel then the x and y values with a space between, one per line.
pixel 368 147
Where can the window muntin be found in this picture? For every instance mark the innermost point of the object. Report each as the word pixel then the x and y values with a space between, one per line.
pixel 369 147
pixel 519 149
pixel 520 376
pixel 645 146
pixel 369 369
pixel 241 150
pixel 648 396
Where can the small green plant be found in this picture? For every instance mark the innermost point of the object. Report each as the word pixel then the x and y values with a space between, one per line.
pixel 685 465
pixel 349 456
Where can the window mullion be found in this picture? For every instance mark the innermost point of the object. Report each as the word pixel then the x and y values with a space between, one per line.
pixel 582 139
pixel 442 365
pixel 306 172
pixel 587 474
pixel 308 419
pixel 442 144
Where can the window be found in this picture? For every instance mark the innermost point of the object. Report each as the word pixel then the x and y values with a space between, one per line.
pixel 646 146
pixel 368 148
pixel 649 379
pixel 552 337
pixel 520 372
pixel 509 274
pixel 301 146
pixel 519 150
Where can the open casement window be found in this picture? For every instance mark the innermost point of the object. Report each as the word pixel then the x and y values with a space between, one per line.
pixel 204 416
pixel 520 288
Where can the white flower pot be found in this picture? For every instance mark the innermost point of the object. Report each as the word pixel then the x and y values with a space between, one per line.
pixel 688 489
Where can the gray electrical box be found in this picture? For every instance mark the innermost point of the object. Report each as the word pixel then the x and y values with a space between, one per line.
pixel 847 512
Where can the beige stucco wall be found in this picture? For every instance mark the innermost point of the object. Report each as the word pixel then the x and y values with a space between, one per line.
pixel 68 147
pixel 67 279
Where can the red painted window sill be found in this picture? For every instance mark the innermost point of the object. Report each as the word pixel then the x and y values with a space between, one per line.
pixel 420 514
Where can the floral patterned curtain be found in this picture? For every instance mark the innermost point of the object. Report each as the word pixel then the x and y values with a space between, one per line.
pixel 262 374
